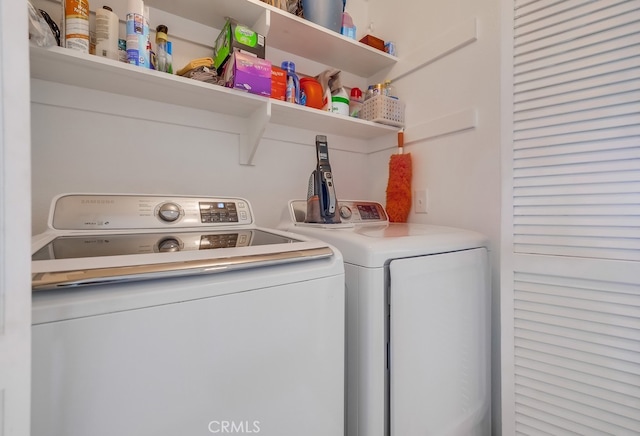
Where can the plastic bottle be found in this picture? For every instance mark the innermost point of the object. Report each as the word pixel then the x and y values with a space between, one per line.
pixel 135 31
pixel 348 29
pixel 152 55
pixel 355 102
pixel 76 24
pixel 340 102
pixel 107 33
pixel 122 50
pixel 169 57
pixel 161 47
pixel 146 41
pixel 292 94
pixel 388 89
pixel 369 93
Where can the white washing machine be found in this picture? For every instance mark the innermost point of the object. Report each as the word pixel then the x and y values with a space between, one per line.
pixel 418 322
pixel 163 315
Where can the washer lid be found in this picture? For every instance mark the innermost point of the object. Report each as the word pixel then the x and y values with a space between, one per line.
pixel 78 260
pixel 122 244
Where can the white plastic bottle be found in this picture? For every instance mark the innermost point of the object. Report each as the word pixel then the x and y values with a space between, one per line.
pixel 340 102
pixel 107 33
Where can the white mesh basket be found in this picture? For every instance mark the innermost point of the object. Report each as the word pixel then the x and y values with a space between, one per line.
pixel 384 110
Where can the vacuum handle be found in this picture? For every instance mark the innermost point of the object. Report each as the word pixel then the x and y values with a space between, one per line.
pixel 324 181
pixel 327 195
pixel 322 151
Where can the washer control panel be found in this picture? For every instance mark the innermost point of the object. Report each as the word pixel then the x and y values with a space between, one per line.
pixel 351 212
pixel 134 212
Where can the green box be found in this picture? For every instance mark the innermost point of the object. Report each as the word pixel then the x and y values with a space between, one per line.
pixel 236 36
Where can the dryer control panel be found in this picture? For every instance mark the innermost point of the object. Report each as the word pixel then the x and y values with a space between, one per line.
pixel 139 212
pixel 351 212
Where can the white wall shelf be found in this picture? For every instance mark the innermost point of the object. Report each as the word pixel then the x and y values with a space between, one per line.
pixel 71 67
pixel 286 32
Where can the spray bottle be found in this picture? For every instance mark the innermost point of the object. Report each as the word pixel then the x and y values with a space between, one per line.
pixel 293 83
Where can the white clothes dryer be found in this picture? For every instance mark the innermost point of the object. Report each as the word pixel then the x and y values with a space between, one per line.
pixel 166 315
pixel 418 322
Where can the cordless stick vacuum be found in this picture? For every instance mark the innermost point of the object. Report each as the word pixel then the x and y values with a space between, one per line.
pixel 321 195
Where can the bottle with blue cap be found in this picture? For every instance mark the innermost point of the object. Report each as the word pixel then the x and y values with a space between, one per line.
pixel 293 83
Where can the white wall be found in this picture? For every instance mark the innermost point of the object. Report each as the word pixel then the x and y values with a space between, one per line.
pixel 462 170
pixel 83 150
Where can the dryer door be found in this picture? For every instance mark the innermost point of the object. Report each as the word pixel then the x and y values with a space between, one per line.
pixel 440 344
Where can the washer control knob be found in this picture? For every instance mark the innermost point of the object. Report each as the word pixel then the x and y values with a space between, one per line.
pixel 345 212
pixel 168 245
pixel 169 212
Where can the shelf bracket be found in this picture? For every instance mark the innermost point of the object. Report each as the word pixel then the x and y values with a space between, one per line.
pixel 250 138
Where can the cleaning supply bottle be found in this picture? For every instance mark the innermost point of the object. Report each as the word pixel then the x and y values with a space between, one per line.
pixel 76 19
pixel 340 102
pixel 293 83
pixel 355 102
pixel 135 31
pixel 348 29
pixel 339 97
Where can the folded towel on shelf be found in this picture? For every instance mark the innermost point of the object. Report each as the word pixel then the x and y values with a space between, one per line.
pixel 204 74
pixel 195 63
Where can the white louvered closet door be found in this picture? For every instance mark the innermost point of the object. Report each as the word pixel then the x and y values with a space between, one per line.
pixel 571 259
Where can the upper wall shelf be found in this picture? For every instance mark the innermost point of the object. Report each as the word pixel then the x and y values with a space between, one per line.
pixel 284 31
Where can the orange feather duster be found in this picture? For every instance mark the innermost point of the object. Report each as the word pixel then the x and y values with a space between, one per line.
pixel 399 184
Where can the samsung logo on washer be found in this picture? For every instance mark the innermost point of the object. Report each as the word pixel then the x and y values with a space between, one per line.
pixel 98 201
pixel 229 427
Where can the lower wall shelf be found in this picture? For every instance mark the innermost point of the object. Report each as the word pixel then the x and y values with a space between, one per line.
pixel 70 67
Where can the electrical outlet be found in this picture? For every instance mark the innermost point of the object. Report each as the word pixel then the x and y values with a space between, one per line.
pixel 420 200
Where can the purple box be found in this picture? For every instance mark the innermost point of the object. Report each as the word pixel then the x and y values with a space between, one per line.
pixel 248 73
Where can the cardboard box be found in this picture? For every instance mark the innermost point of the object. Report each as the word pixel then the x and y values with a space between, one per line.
pixel 236 36
pixel 372 41
pixel 278 83
pixel 248 73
